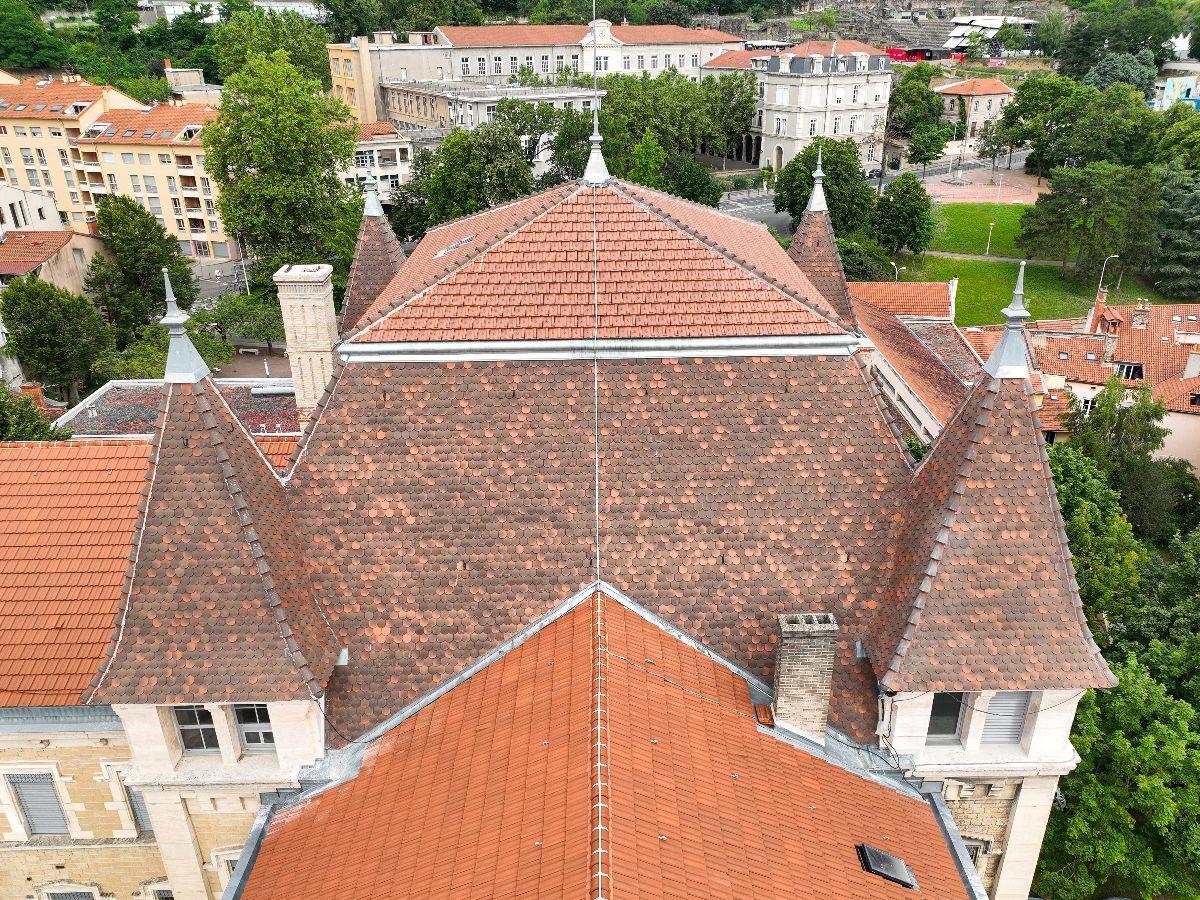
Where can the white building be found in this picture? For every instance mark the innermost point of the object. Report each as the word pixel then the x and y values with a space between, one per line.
pixel 22 210
pixel 386 154
pixel 987 26
pixel 831 89
pixel 496 53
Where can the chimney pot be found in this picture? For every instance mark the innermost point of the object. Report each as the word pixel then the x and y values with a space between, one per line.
pixel 804 671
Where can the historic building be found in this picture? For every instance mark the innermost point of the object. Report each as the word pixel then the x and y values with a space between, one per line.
pixel 588 484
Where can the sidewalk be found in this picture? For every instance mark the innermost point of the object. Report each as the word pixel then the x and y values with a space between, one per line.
pixel 982 258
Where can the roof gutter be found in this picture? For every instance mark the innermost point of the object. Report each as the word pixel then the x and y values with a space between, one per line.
pixel 958 850
pixel 245 864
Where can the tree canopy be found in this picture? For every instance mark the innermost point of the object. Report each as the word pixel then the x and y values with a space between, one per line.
pixel 25 43
pixel 850 198
pixel 1176 266
pixel 264 31
pixel 1139 71
pixel 21 420
pixel 904 216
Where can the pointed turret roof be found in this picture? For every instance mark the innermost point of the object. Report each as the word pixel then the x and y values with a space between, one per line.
pixel 984 595
pixel 378 256
pixel 814 249
pixel 217 604
pixel 185 365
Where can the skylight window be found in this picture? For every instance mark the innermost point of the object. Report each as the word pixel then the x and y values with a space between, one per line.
pixel 39 107
pixel 148 134
pixel 461 242
pixel 19 107
pixel 57 107
pixel 1091 357
pixel 129 132
pixel 886 866
pixel 111 132
pixel 1063 354
pixel 166 134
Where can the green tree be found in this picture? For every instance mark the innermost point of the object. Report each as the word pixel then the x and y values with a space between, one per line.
pixel 570 146
pixel 275 150
pixel 21 420
pixel 1010 36
pixel 851 200
pixel 471 171
pixel 648 162
pixel 1176 267
pixel 1041 108
pixel 864 260
pixel 913 104
pixel 350 18
pixel 1091 213
pixel 248 316
pixel 689 179
pixel 1139 71
pixel 1050 34
pixel 730 100
pixel 904 216
pixel 1119 427
pixel 1115 126
pixel 409 213
pixel 927 144
pixel 146 355
pixel 1108 558
pixel 991 140
pixel 24 41
pixel 264 31
pixel 1170 607
pixel 1179 136
pixel 127 284
pixel 534 123
pixel 1120 26
pixel 668 12
pixel 54 334
pixel 1132 805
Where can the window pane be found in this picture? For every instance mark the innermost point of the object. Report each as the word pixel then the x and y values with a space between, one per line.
pixel 947 709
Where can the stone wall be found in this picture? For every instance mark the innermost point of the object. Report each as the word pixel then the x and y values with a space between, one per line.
pixel 983 811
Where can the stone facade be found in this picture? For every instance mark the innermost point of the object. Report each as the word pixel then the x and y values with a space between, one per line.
pixel 804 671
pixel 983 811
pixel 309 321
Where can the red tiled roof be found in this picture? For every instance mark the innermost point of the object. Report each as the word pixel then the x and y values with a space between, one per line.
pixel 946 342
pixel 975 87
pixel 833 48
pixel 222 608
pixel 23 251
pixel 659 278
pixel 544 35
pixel 738 59
pixel 277 448
pixel 909 298
pixel 378 256
pixel 67 512
pixel 54 94
pixel 1050 350
pixel 153 126
pixel 368 131
pixel 488 791
pixel 981 558
pixel 814 250
pixel 922 370
pixel 1176 394
pixel 983 338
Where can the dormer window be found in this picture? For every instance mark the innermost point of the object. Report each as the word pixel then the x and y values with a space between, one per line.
pixel 1130 371
pixel 946 717
pixel 1063 354
pixel 197 732
pixel 254 726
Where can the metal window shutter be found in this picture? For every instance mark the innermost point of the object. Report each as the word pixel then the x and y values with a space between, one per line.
pixel 72 895
pixel 141 816
pixel 1005 719
pixel 39 802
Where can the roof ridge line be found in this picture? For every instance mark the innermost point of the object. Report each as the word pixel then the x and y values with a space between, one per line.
pixel 135 551
pixel 889 416
pixel 949 513
pixel 732 257
pixel 600 873
pixel 310 425
pixel 253 543
pixel 460 264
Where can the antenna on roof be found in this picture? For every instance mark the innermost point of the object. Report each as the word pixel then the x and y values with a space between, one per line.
pixel 1010 359
pixel 596 173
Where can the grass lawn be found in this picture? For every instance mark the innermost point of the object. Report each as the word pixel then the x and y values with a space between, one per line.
pixel 963 227
pixel 985 288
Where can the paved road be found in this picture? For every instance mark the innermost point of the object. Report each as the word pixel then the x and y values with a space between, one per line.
pixel 757 206
pixel 982 258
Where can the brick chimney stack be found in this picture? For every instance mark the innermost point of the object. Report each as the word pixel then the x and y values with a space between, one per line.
pixel 310 325
pixel 804 671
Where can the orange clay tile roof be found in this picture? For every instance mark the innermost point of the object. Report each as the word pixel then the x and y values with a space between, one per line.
pixel 23 251
pixel 540 35
pixel 378 256
pixel 370 130
pixel 833 48
pixel 1050 350
pixel 910 298
pixel 981 558
pixel 67 512
pixel 983 338
pixel 1176 394
pixel 277 449
pixel 231 615
pixel 488 791
pixel 41 102
pixel 975 87
pixel 738 59
pixel 922 370
pixel 660 276
pixel 158 125
pixel 814 251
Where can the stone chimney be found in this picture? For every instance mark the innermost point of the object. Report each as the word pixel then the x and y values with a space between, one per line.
pixel 804 670
pixel 1141 314
pixel 310 326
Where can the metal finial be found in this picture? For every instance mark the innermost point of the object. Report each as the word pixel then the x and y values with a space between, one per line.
pixel 371 204
pixel 185 365
pixel 173 310
pixel 596 173
pixel 816 200
pixel 1010 359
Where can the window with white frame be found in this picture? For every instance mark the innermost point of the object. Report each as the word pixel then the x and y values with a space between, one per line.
pixel 781 95
pixel 854 94
pixel 514 65
pixel 946 717
pixel 348 68
pixel 254 726
pixel 695 60
pixel 38 801
pixel 625 63
pixel 653 60
pixel 812 127
pixel 545 65
pixel 197 732
pixel 1130 370
pixel 641 61
pixel 837 125
pixel 497 65
pixel 466 66
pixel 781 125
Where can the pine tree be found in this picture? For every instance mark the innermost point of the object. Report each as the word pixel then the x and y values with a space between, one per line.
pixel 1177 264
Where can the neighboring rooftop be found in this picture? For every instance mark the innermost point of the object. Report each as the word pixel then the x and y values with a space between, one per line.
pixel 166 123
pixel 975 87
pixel 487 790
pixel 23 251
pixel 50 98
pixel 542 35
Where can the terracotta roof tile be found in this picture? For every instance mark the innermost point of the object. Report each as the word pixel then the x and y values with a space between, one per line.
pixel 369 131
pixel 659 278
pixel 217 603
pixel 488 790
pixel 981 559
pixel 67 513
pixel 277 449
pixel 833 48
pixel 23 251
pixel 152 126
pixel 814 250
pixel 912 298
pixel 539 35
pixel 40 102
pixel 378 256
pixel 975 87
pixel 738 59
pixel 1069 356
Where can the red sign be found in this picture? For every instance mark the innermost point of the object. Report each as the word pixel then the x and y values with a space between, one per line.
pixel 997 63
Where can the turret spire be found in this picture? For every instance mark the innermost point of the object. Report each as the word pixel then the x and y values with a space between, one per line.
pixel 371 204
pixel 184 363
pixel 1010 359
pixel 816 200
pixel 596 173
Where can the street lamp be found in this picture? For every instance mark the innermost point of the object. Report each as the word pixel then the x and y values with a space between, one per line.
pixel 1100 286
pixel 898 269
pixel 988 248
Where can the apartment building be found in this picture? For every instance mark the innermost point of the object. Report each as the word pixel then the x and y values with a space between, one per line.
pixel 40 125
pixel 386 154
pixel 832 89
pixel 495 53
pixel 974 101
pixel 155 155
pixel 22 210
